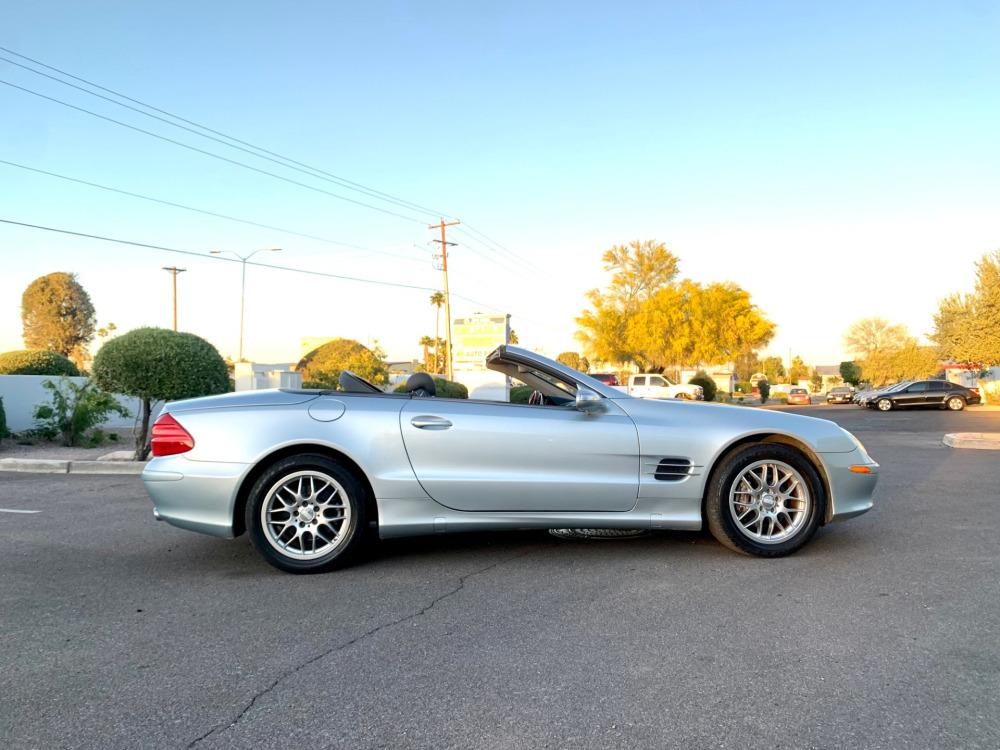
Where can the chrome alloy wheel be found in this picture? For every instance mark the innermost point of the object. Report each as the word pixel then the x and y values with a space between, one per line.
pixel 956 404
pixel 769 501
pixel 306 515
pixel 884 404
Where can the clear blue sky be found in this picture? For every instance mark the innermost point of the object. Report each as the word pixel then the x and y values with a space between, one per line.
pixel 763 143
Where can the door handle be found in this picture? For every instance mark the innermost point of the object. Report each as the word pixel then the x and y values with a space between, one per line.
pixel 429 422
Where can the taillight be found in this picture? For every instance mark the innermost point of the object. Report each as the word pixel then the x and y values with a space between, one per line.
pixel 169 437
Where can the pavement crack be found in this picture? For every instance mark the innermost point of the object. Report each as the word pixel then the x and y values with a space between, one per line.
pixel 347 644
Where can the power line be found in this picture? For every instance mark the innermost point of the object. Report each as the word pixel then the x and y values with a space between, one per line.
pixel 341 180
pixel 257 151
pixel 208 153
pixel 290 269
pixel 311 171
pixel 196 254
pixel 206 212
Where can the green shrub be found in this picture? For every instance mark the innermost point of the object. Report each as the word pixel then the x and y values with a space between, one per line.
pixel 707 384
pixel 722 397
pixel 765 390
pixel 442 389
pixel 520 394
pixel 156 364
pixel 745 387
pixel 74 409
pixel 321 367
pixel 36 362
pixel 4 432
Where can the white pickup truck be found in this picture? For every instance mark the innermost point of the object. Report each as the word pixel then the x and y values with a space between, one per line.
pixel 655 385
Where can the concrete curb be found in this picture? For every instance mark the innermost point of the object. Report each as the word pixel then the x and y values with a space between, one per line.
pixel 989 441
pixel 53 466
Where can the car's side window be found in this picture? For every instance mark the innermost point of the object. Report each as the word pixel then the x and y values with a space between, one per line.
pixel 641 380
pixel 657 381
pixel 917 388
pixel 941 386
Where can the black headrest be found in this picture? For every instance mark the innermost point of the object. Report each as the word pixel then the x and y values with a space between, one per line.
pixel 421 384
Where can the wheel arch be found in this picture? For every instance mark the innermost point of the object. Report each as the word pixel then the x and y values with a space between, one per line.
pixel 769 438
pixel 250 478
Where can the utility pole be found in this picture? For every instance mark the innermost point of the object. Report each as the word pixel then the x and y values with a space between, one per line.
pixel 447 296
pixel 174 270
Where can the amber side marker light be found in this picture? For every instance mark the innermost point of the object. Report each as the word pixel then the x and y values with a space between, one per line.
pixel 861 469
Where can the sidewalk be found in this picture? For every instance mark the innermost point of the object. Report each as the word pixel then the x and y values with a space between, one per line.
pixel 52 458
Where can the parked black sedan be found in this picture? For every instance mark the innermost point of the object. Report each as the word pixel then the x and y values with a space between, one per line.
pixel 937 393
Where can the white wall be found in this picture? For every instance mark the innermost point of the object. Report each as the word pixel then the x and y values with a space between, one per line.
pixel 21 393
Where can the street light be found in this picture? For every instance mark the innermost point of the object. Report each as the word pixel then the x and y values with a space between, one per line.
pixel 243 281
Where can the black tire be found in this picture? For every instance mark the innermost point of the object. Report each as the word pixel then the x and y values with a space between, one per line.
pixel 889 401
pixel 353 537
pixel 951 400
pixel 721 522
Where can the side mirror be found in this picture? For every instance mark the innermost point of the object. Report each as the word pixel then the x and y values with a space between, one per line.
pixel 588 401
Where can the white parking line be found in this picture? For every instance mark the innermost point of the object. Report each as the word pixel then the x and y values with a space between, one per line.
pixel 11 510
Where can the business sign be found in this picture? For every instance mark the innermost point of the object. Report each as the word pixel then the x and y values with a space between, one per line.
pixel 475 337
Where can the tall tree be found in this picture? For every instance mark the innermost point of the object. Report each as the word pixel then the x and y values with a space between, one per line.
pixel 574 360
pixel 58 316
pixel 871 335
pixel 427 342
pixel 437 299
pixel 773 369
pixel 967 327
pixel 850 372
pixel 647 318
pixel 639 271
pixel 797 371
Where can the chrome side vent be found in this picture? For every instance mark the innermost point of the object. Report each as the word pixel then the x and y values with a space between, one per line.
pixel 672 469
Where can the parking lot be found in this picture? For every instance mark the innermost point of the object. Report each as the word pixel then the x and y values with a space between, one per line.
pixel 884 632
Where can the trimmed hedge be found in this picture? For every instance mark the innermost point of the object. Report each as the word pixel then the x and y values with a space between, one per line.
pixel 160 365
pixel 520 394
pixel 442 389
pixel 36 362
pixel 707 384
pixel 3 421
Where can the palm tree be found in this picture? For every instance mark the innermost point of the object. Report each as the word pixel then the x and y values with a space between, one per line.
pixel 437 299
pixel 426 341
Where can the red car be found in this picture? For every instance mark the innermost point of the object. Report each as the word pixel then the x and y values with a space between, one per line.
pixel 799 396
pixel 608 378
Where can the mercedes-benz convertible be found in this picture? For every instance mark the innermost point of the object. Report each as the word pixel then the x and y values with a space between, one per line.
pixel 312 475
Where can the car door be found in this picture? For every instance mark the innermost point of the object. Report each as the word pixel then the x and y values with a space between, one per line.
pixel 638 388
pixel 913 395
pixel 937 392
pixel 658 387
pixel 492 456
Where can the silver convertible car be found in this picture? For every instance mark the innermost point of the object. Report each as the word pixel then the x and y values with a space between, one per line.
pixel 312 475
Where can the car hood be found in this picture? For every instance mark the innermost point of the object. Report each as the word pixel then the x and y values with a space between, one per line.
pixel 822 435
pixel 270 397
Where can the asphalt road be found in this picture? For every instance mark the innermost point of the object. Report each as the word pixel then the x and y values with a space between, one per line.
pixel 118 631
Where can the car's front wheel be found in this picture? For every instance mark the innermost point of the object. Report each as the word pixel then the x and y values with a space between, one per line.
pixel 765 500
pixel 956 403
pixel 305 514
pixel 884 404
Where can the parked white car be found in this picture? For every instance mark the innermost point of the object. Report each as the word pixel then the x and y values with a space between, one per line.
pixel 655 385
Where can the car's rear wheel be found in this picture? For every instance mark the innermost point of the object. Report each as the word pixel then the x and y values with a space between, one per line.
pixel 956 403
pixel 765 500
pixel 305 514
pixel 884 404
